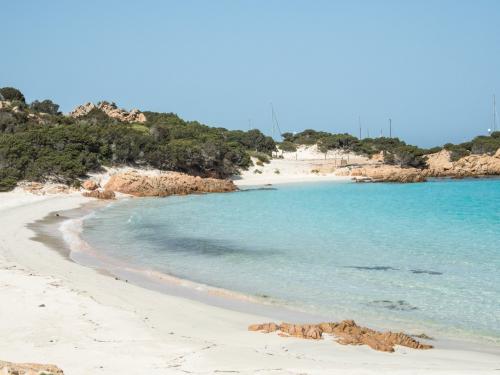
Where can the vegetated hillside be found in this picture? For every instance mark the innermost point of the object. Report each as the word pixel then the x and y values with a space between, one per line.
pixel 395 150
pixel 39 143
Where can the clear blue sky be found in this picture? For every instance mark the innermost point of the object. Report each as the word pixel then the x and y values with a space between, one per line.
pixel 432 66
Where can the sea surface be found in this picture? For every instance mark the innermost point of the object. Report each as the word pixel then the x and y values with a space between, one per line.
pixel 420 257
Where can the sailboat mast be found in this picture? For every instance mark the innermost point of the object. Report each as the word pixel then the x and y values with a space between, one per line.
pixel 274 120
pixel 494 113
pixel 359 123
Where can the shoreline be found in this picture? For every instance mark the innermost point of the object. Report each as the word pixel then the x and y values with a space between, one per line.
pixel 173 285
pixel 149 278
pixel 281 180
pixel 169 327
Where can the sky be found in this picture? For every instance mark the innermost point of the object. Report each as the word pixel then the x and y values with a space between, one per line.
pixel 432 66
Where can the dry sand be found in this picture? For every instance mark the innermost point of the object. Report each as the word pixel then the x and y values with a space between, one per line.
pixel 56 311
pixel 305 165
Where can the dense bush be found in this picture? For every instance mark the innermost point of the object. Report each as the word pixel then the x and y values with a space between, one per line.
pixel 45 106
pixel 288 146
pixel 457 151
pixel 306 137
pixel 12 94
pixel 261 157
pixel 63 149
pixel 479 145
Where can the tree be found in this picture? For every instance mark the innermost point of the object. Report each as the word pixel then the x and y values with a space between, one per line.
pixel 288 146
pixel 12 94
pixel 46 106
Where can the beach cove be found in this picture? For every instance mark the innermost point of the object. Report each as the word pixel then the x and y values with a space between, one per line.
pixel 92 322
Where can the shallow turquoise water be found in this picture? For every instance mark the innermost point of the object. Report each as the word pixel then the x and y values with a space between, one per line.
pixel 412 256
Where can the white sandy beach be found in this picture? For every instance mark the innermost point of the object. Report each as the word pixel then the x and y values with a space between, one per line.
pixel 56 311
pixel 305 165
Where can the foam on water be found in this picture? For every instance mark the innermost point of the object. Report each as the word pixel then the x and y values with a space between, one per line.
pixel 421 257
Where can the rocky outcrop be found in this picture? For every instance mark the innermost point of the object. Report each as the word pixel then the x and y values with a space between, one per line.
pixel 378 157
pixel 164 184
pixel 387 173
pixel 111 110
pixel 346 332
pixel 100 194
pixel 440 165
pixel 9 368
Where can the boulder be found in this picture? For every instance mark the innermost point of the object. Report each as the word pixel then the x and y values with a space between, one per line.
pixel 100 194
pixel 439 163
pixel 165 184
pixel 90 185
pixel 378 157
pixel 388 173
pixel 346 332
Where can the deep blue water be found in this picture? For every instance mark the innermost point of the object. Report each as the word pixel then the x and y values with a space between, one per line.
pixel 412 256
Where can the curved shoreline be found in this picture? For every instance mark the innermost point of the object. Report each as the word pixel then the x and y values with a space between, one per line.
pixel 80 252
pixel 91 321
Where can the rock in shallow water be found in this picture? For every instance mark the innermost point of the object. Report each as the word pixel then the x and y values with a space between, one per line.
pixel 347 332
pixel 399 305
pixel 374 268
pixel 427 272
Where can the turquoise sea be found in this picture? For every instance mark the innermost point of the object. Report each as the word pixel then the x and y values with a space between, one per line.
pixel 421 257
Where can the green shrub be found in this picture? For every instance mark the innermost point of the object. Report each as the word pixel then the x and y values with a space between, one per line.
pixel 7 184
pixel 12 94
pixel 287 146
pixel 46 106
pixel 456 151
pixel 261 157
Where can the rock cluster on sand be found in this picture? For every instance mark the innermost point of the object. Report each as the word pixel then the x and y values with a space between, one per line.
pixel 111 110
pixel 347 332
pixel 9 368
pixel 164 184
